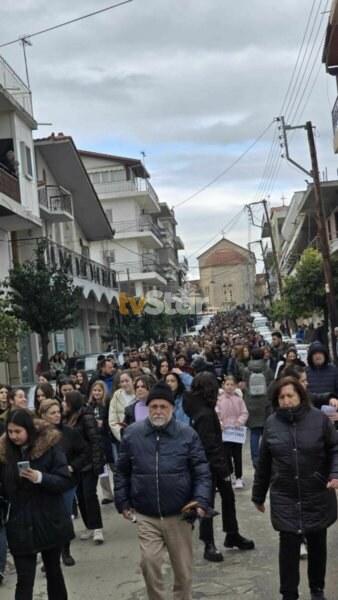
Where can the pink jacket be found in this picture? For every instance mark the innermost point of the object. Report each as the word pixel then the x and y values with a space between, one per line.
pixel 231 410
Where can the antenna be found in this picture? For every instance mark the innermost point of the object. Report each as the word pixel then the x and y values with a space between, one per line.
pixel 143 154
pixel 25 41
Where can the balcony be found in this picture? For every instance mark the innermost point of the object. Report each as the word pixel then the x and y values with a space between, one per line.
pixel 143 229
pixel 146 270
pixel 137 187
pixel 79 266
pixel 55 204
pixel 184 265
pixel 15 87
pixel 9 185
pixel 335 125
pixel 168 256
pixel 178 243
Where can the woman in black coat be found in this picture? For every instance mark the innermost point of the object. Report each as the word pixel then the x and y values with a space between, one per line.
pixel 298 461
pixel 199 404
pixel 82 418
pixel 38 520
pixel 77 454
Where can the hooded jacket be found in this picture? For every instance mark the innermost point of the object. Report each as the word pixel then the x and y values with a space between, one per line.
pixel 160 471
pixel 37 517
pixel 323 379
pixel 258 406
pixel 205 421
pixel 298 455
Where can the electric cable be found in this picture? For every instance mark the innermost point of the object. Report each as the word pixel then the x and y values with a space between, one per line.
pixel 75 20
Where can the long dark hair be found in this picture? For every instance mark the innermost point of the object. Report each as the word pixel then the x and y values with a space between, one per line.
pixel 22 418
pixel 280 383
pixel 158 368
pixel 83 387
pixel 74 401
pixel 204 387
pixel 180 388
pixel 48 391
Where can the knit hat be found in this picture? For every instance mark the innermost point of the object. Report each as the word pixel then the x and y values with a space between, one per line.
pixel 199 364
pixel 161 391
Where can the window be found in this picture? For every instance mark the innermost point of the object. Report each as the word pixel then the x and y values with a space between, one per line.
pixel 109 214
pixel 26 160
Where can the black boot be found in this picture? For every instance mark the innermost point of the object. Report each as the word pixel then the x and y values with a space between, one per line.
pixel 212 553
pixel 67 559
pixel 317 595
pixel 236 540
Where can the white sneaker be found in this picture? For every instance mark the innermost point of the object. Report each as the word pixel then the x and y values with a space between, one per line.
pixel 303 551
pixel 87 534
pixel 98 536
pixel 239 485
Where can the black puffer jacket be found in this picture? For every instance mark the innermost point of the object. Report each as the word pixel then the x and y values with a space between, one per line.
pixel 298 455
pixel 159 471
pixel 38 519
pixel 206 422
pixel 322 379
pixel 75 448
pixel 87 426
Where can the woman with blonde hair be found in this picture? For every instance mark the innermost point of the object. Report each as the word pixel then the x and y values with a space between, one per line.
pixel 99 401
pixel 76 451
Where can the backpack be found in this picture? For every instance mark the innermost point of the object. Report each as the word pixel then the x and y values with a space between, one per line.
pixel 257 384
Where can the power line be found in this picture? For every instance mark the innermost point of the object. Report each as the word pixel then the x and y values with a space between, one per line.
pixel 92 14
pixel 237 160
pixel 225 228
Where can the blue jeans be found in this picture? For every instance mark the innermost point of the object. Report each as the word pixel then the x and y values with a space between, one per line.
pixel 255 437
pixel 3 549
pixel 68 498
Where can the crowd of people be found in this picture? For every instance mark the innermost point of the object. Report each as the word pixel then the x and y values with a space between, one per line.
pixel 164 426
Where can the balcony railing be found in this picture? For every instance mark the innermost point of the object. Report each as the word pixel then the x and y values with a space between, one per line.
pixel 184 263
pixel 9 185
pixel 138 184
pixel 80 266
pixel 335 116
pixel 55 199
pixel 167 254
pixel 143 224
pixel 144 266
pixel 15 86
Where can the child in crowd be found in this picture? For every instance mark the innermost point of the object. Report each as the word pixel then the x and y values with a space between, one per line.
pixel 232 411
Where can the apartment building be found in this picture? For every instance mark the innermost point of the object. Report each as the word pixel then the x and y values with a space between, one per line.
pixel 330 59
pixel 145 250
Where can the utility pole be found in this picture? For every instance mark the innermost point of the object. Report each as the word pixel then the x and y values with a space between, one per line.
pixel 273 245
pixel 265 267
pixel 320 219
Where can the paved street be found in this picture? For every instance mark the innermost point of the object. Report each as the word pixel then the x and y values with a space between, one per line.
pixel 112 571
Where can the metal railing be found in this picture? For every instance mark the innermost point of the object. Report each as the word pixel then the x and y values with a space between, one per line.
pixel 80 266
pixel 144 266
pixel 9 185
pixel 184 263
pixel 143 224
pixel 138 184
pixel 167 254
pixel 12 83
pixel 335 116
pixel 55 199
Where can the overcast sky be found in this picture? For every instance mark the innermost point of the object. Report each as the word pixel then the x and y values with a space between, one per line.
pixel 190 82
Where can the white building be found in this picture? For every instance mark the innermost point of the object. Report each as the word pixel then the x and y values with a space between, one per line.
pixel 144 251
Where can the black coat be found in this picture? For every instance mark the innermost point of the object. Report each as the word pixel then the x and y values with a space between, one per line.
pixel 322 379
pixel 38 519
pixel 298 455
pixel 75 448
pixel 206 422
pixel 159 471
pixel 86 425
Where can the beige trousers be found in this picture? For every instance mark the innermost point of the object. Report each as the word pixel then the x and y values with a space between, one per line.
pixel 155 536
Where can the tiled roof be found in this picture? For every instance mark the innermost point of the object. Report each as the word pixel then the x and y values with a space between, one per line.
pixel 223 258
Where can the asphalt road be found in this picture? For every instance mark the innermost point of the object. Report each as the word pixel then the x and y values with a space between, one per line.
pixel 112 570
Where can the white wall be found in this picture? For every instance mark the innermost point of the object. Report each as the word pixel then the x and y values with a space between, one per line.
pixel 28 188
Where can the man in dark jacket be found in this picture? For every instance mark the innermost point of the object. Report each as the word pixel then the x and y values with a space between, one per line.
pixel 322 377
pixel 161 468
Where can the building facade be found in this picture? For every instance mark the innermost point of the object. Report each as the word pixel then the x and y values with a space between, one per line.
pixel 227 275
